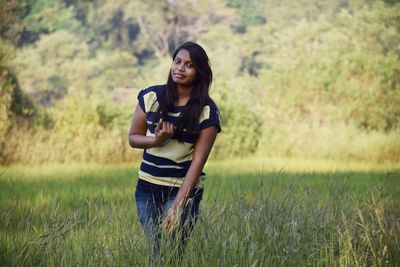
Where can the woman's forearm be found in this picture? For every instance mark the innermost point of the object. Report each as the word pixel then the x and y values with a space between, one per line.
pixel 142 141
pixel 202 149
pixel 162 133
pixel 189 183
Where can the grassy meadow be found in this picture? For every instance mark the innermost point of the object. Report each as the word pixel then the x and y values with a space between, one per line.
pixel 262 212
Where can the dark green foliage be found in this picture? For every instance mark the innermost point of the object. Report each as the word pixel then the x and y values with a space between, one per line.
pixel 12 26
pixel 21 105
pixel 47 16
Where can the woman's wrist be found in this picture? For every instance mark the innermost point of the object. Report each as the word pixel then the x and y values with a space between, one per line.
pixel 178 204
pixel 160 141
pixel 157 142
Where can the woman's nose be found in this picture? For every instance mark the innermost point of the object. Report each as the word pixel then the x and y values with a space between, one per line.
pixel 180 67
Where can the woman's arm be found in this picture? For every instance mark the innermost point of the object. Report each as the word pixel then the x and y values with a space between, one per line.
pixel 201 151
pixel 137 132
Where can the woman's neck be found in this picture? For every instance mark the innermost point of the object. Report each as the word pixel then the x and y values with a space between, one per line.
pixel 184 93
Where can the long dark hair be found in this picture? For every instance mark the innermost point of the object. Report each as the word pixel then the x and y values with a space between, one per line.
pixel 200 93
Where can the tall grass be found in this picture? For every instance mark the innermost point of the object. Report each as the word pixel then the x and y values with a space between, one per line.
pixel 85 216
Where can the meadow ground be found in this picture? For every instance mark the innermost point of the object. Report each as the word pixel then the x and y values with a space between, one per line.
pixel 255 212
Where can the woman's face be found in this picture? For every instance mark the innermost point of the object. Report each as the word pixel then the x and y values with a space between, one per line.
pixel 182 69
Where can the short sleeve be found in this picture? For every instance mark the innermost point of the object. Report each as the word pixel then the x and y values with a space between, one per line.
pixel 148 99
pixel 141 100
pixel 210 117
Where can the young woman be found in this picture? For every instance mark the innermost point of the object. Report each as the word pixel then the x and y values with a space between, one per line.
pixel 176 124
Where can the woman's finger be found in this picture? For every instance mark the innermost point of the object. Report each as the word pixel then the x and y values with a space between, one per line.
pixel 158 127
pixel 170 128
pixel 167 222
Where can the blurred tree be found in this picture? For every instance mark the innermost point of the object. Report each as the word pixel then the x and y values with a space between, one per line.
pixel 61 62
pixel 39 66
pixel 11 23
pixel 15 106
pixel 180 21
pixel 283 70
pixel 162 25
pixel 345 70
pixel 250 12
pixel 47 16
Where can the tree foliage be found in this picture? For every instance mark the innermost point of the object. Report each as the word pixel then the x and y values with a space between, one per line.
pixel 292 78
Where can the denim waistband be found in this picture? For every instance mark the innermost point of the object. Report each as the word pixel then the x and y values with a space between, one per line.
pixel 143 184
pixel 147 186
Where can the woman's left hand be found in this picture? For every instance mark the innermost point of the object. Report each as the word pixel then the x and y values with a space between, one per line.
pixel 171 220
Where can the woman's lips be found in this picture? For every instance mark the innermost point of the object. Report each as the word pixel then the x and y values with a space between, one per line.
pixel 179 76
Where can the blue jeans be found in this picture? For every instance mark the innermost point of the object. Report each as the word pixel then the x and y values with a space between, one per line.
pixel 153 202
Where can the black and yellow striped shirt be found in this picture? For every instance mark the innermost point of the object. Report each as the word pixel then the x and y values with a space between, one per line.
pixel 167 165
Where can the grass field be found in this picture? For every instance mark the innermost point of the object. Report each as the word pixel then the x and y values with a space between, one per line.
pixel 262 212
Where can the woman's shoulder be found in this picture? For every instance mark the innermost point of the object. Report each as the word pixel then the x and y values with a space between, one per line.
pixel 210 103
pixel 210 116
pixel 210 109
pixel 148 98
pixel 158 89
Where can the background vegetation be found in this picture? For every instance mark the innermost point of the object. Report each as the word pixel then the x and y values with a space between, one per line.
pixel 309 79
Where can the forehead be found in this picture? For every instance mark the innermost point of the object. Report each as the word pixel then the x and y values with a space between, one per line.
pixel 184 55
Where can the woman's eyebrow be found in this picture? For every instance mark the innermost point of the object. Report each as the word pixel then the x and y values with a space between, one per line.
pixel 189 61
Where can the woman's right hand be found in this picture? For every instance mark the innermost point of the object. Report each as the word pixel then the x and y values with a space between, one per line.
pixel 164 131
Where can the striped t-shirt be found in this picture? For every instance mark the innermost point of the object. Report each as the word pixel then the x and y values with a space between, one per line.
pixel 168 164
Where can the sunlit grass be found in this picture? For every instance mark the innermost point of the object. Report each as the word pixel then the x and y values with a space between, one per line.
pixel 277 213
pixel 296 165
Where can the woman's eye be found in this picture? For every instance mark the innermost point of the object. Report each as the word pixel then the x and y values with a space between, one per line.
pixel 177 61
pixel 189 66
